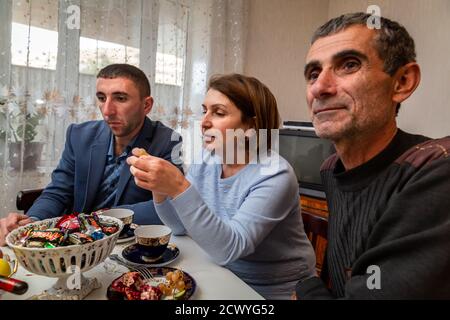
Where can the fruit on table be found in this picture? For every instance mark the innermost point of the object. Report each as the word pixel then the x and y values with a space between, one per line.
pixel 179 295
pixel 175 286
pixel 5 269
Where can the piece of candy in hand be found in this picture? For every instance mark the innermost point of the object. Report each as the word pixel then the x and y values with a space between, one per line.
pixel 142 153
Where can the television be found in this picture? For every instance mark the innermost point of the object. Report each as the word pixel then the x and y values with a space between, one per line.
pixel 305 152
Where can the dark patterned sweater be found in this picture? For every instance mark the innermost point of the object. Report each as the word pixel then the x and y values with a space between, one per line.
pixel 389 224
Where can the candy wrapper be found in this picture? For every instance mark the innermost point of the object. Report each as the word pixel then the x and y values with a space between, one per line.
pixel 79 238
pixel 69 223
pixel 45 236
pixel 109 228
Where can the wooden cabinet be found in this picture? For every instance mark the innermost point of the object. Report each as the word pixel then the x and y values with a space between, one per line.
pixel 315 206
pixel 319 208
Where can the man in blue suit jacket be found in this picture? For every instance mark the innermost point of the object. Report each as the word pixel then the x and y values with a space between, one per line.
pixel 92 173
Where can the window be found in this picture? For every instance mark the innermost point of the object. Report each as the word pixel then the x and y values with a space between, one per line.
pixel 105 40
pixel 171 46
pixel 43 47
pixel 96 54
pixel 34 36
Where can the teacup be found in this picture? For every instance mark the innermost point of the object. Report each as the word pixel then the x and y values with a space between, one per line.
pixel 125 215
pixel 152 241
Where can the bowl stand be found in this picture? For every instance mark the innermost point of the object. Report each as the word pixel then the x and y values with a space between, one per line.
pixel 68 289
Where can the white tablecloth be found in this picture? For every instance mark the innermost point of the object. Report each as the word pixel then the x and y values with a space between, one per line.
pixel 213 281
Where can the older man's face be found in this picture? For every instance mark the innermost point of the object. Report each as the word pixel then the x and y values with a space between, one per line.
pixel 348 93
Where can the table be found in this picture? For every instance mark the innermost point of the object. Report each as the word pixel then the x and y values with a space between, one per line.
pixel 213 281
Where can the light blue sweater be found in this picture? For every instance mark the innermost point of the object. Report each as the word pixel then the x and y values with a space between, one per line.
pixel 249 222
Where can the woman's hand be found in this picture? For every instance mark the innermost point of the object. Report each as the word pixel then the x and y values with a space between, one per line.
pixel 157 175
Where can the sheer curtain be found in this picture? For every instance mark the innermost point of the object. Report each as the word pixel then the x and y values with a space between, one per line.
pixel 51 50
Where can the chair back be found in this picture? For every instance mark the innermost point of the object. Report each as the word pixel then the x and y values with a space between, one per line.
pixel 316 228
pixel 26 198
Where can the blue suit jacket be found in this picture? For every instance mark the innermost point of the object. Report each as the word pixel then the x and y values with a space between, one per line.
pixel 78 176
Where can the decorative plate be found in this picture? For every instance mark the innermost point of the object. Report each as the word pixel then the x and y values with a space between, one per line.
pixel 159 274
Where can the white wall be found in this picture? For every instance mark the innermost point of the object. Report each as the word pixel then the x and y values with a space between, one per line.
pixel 277 42
pixel 279 32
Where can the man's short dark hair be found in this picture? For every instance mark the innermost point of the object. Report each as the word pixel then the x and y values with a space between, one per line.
pixel 122 70
pixel 394 45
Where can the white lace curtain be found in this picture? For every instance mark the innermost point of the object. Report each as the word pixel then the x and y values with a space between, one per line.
pixel 51 50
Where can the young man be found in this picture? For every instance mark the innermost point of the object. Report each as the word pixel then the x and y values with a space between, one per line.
pixel 92 173
pixel 387 190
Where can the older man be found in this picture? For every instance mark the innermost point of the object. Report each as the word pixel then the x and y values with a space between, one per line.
pixel 92 173
pixel 388 191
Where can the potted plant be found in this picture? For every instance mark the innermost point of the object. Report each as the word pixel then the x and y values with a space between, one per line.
pixel 32 150
pixel 20 126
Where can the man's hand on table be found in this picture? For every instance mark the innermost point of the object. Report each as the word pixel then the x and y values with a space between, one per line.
pixel 11 222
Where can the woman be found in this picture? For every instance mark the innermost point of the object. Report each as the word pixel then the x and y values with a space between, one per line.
pixel 240 206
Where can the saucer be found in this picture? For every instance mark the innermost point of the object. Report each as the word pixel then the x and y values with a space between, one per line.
pixel 129 235
pixel 133 254
pixel 126 237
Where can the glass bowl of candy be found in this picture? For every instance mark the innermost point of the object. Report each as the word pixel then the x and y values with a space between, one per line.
pixel 64 248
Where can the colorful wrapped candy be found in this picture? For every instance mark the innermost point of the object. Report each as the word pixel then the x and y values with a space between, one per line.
pixel 91 226
pixel 45 236
pixel 34 244
pixel 71 229
pixel 69 223
pixel 79 238
pixel 109 228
